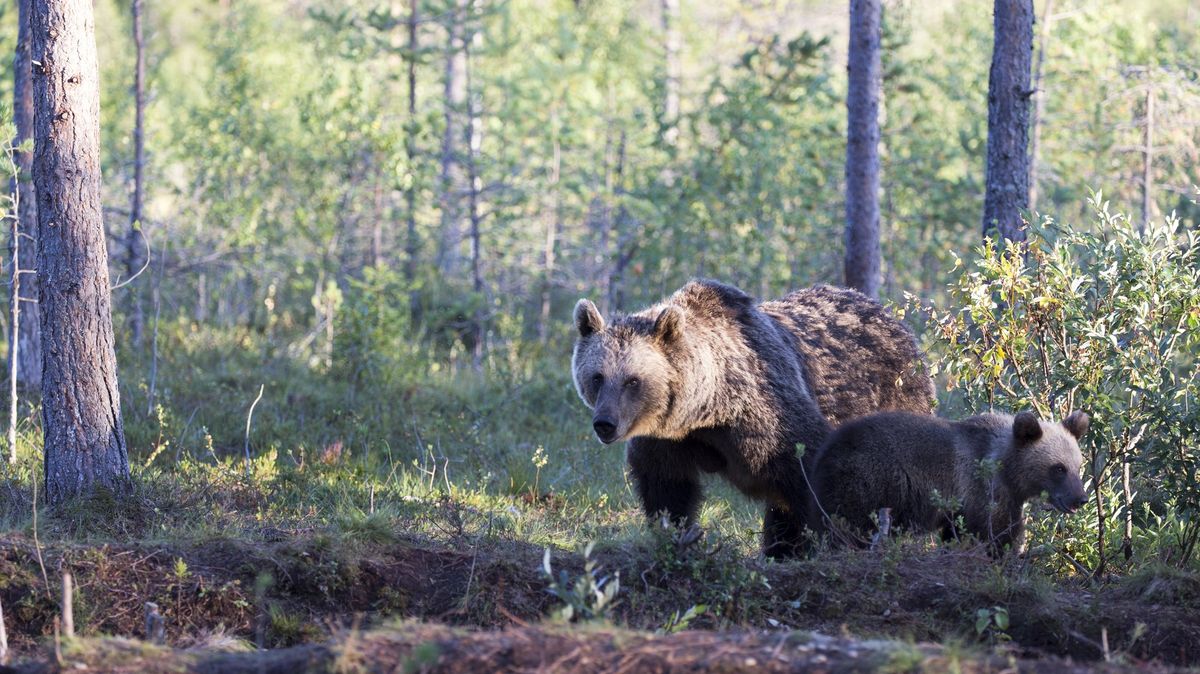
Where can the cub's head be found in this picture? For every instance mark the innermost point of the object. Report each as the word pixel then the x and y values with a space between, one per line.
pixel 1047 459
pixel 623 371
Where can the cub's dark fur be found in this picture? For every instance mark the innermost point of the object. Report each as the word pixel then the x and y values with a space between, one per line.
pixel 710 381
pixel 917 464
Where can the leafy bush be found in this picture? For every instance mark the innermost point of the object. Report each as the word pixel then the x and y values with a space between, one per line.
pixel 1107 321
pixel 590 597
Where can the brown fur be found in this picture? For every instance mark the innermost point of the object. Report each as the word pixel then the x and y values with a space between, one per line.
pixel 708 381
pixel 898 461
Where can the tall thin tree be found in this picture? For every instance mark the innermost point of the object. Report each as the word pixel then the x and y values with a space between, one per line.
pixel 862 147
pixel 1039 106
pixel 28 337
pixel 81 410
pixel 472 140
pixel 553 223
pixel 1007 191
pixel 451 183
pixel 135 241
pixel 672 44
pixel 412 243
pixel 1148 155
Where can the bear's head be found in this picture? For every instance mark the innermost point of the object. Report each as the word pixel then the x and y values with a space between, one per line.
pixel 1045 459
pixel 623 371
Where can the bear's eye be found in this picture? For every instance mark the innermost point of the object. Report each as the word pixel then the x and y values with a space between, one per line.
pixel 598 379
pixel 1059 470
pixel 632 383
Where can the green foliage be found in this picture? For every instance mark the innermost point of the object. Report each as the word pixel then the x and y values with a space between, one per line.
pixel 726 585
pixel 590 597
pixel 1105 321
pixel 992 622
pixel 679 622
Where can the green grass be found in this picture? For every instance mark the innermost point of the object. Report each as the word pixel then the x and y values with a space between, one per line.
pixel 416 444
pixel 437 452
pixel 348 478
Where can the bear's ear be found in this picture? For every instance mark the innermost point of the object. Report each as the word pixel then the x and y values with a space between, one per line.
pixel 1076 423
pixel 1026 428
pixel 588 320
pixel 669 325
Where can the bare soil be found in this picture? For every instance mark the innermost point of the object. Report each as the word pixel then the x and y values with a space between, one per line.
pixel 312 602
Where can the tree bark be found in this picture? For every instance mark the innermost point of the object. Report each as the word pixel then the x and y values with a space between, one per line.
pixel 1148 160
pixel 473 139
pixel 84 436
pixel 862 148
pixel 412 244
pixel 135 242
pixel 377 214
pixel 625 246
pixel 455 94
pixel 1039 107
pixel 28 339
pixel 671 43
pixel 553 220
pixel 1008 120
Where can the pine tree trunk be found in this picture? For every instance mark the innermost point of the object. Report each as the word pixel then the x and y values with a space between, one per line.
pixel 671 43
pixel 625 247
pixel 135 242
pixel 553 225
pixel 84 437
pixel 449 256
pixel 29 336
pixel 412 244
pixel 473 139
pixel 378 215
pixel 862 148
pixel 1008 121
pixel 1039 106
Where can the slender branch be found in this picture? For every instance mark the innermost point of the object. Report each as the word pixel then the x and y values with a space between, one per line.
pixel 122 284
pixel 249 416
pixel 15 309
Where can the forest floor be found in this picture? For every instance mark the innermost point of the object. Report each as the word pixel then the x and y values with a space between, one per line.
pixel 407 530
pixel 375 601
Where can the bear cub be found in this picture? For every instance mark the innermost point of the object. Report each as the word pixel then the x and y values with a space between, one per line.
pixel 929 471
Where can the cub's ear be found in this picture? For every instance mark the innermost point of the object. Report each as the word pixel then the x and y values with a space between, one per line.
pixel 1026 428
pixel 1077 423
pixel 588 320
pixel 668 327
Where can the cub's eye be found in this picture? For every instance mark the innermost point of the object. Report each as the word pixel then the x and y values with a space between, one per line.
pixel 1059 470
pixel 632 383
pixel 598 379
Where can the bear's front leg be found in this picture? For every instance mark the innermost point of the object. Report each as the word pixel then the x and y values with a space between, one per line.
pixel 783 534
pixel 1000 527
pixel 784 524
pixel 666 477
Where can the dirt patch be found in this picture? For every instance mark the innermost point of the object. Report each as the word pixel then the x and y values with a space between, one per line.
pixel 112 585
pixel 296 589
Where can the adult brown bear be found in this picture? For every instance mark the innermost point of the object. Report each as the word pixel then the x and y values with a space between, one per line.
pixel 708 380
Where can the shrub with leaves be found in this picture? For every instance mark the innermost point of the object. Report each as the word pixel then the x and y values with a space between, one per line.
pixel 590 597
pixel 1108 321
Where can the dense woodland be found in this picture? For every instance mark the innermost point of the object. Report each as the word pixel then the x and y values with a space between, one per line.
pixel 549 151
pixel 344 240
